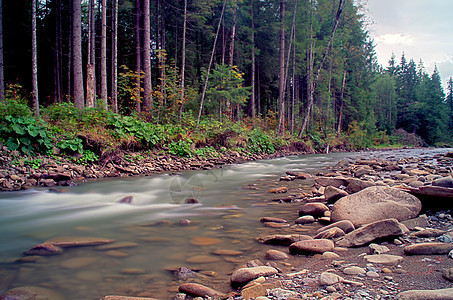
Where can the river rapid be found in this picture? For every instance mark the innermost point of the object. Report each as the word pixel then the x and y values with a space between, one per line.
pixel 154 243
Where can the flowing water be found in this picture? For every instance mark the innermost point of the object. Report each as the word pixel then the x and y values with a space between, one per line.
pixel 232 200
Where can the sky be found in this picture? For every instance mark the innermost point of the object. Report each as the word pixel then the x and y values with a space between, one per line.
pixel 422 29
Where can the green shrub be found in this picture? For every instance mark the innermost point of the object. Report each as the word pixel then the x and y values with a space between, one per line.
pixel 259 142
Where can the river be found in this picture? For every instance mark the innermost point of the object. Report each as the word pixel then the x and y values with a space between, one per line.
pixel 232 200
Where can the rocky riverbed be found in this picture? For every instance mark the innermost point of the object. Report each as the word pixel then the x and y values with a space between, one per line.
pixel 384 231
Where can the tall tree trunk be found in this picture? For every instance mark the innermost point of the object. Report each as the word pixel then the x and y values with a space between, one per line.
pixel 91 89
pixel 114 85
pixel 183 59
pixel 2 74
pixel 34 58
pixel 69 57
pixel 340 114
pixel 281 88
pixel 253 70
pixel 203 94
pixel 233 35
pixel 78 95
pixel 147 84
pixel 161 53
pixel 292 35
pixel 138 54
pixel 104 94
pixel 57 52
pixel 313 87
pixel 293 90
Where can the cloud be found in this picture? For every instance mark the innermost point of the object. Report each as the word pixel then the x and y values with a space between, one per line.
pixel 396 39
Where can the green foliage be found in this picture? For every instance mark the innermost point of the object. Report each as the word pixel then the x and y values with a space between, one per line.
pixel 33 163
pixel 25 134
pixel 180 148
pixel 259 142
pixel 88 157
pixel 70 145
pixel 15 104
pixel 358 136
pixel 208 151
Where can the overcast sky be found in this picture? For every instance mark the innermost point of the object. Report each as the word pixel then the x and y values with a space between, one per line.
pixel 422 29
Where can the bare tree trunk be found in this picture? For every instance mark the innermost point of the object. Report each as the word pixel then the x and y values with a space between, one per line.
pixel 147 84
pixel 57 53
pixel 104 94
pixel 340 114
pixel 183 62
pixel 34 58
pixel 233 35
pixel 78 95
pixel 293 91
pixel 203 94
pixel 281 88
pixel 2 74
pixel 293 33
pixel 90 55
pixel 114 85
pixel 313 87
pixel 138 54
pixel 253 71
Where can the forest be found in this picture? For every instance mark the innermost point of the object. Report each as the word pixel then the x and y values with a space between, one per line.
pixel 197 76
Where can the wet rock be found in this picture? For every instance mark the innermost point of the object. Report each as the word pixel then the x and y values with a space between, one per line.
pixel 283 239
pixel 198 290
pixel 374 204
pixel 330 255
pixel 315 209
pixel 276 225
pixel 305 220
pixel 446 182
pixel 274 220
pixel 371 232
pixel 191 201
pixel 184 273
pixel 44 250
pixel 303 176
pixel 428 248
pixel 184 222
pixel 202 259
pixel 226 252
pixel 429 232
pixel 279 190
pixel 243 275
pixel 332 194
pixel 204 241
pixel 384 259
pixel 126 200
pixel 344 225
pixel 77 262
pixel 311 247
pixel 117 245
pixel 332 181
pixel 356 185
pixel 330 233
pixel 258 290
pixel 65 242
pixel 426 294
pixel 276 255
pixel 30 293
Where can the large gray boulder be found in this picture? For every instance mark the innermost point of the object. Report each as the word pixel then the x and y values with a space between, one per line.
pixel 427 294
pixel 374 204
pixel 371 232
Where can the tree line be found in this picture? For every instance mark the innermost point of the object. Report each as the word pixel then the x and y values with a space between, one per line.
pixel 303 67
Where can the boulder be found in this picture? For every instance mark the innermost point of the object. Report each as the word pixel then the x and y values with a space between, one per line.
pixel 344 225
pixel 356 185
pixel 311 246
pixel 427 294
pixel 374 204
pixel 279 190
pixel 271 219
pixel 420 221
pixel 327 278
pixel 243 275
pixel 305 220
pixel 315 209
pixel 428 248
pixel 331 233
pixel 448 274
pixel 283 239
pixel 78 241
pixel 30 293
pixel 446 182
pixel 371 232
pixel 332 181
pixel 332 194
pixel 276 255
pixel 198 290
pixel 44 250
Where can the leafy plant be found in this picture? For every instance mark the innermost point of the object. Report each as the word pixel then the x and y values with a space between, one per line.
pixel 180 148
pixel 260 142
pixel 88 156
pixel 25 134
